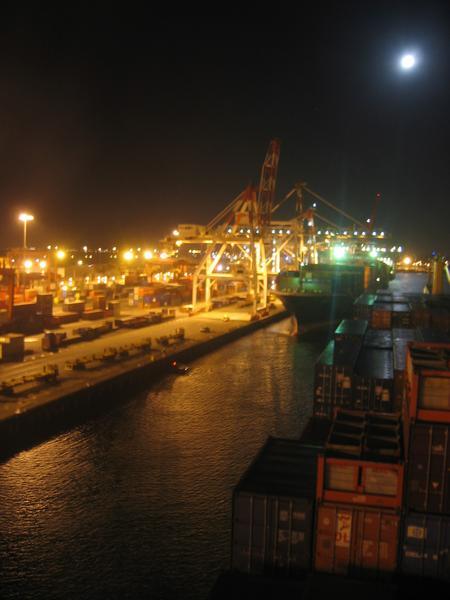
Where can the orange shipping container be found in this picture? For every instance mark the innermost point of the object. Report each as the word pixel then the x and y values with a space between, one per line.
pixel 428 382
pixel 360 482
pixel 356 541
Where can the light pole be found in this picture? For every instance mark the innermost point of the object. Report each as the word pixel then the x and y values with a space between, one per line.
pixel 25 217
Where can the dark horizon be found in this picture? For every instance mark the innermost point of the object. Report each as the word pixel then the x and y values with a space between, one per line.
pixel 118 127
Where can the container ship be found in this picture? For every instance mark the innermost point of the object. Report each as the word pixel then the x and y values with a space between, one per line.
pixel 357 506
pixel 325 292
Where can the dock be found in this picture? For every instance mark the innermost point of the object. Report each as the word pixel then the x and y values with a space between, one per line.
pixel 50 392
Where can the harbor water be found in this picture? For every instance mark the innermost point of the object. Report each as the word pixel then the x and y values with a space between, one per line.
pixel 137 503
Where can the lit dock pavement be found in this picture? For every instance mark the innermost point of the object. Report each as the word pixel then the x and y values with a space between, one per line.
pixel 199 329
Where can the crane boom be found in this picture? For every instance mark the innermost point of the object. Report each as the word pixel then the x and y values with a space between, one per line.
pixel 339 210
pixel 266 191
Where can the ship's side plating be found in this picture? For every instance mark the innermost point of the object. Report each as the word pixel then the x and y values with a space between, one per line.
pixel 325 292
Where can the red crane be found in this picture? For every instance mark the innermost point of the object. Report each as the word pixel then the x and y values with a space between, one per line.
pixel 267 183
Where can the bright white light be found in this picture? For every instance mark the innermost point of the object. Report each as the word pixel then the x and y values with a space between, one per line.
pixel 407 61
pixel 24 217
pixel 339 252
pixel 148 254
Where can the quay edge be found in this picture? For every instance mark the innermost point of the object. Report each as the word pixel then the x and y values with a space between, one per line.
pixel 67 409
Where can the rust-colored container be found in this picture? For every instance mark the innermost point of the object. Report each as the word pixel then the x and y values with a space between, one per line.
pixel 360 482
pixel 359 542
pixel 381 317
pixel 428 381
pixel 362 461
pixel 428 478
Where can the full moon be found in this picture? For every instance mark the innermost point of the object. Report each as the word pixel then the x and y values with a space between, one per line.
pixel 407 61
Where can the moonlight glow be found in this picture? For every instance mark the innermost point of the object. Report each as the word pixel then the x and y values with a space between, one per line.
pixel 407 61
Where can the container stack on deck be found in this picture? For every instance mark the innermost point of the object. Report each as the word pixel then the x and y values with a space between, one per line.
pixel 273 511
pixel 425 547
pixel 355 370
pixel 359 495
pixel 365 491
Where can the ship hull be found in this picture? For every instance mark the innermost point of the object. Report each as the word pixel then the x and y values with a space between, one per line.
pixel 323 293
pixel 317 308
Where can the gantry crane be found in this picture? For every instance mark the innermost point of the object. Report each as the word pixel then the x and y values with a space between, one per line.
pixel 247 226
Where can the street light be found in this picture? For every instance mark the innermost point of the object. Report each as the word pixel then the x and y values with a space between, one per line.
pixel 25 217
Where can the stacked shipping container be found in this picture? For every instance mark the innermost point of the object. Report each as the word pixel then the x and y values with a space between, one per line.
pixel 355 371
pixel 359 495
pixel 426 534
pixel 377 451
pixel 273 511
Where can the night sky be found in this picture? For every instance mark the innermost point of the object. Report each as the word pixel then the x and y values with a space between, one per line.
pixel 118 124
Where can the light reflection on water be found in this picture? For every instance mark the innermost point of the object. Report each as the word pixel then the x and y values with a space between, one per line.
pixel 138 502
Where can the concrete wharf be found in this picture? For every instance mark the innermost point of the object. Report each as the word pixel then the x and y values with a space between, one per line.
pixel 37 409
